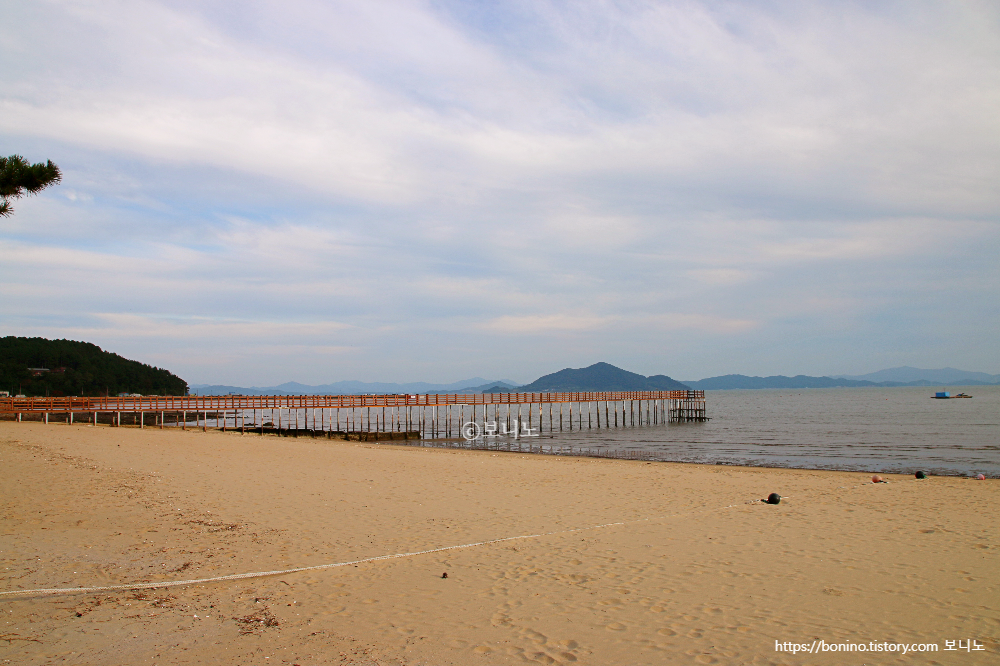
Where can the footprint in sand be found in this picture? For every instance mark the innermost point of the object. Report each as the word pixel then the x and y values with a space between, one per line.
pixel 534 636
pixel 616 626
pixel 334 610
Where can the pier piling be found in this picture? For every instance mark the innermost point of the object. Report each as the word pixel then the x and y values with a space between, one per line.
pixel 429 415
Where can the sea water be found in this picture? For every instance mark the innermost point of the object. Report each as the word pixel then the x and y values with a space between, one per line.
pixel 860 429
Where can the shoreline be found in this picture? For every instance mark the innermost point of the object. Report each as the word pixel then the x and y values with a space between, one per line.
pixel 699 572
pixel 644 455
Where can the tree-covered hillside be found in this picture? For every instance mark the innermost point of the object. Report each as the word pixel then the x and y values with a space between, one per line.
pixel 40 367
pixel 601 377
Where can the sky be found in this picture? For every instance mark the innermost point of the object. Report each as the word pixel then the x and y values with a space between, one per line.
pixel 257 192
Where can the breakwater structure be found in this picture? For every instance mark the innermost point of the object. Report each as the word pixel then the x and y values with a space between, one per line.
pixel 470 417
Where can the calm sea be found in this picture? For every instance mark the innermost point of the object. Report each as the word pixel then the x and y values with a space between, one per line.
pixel 865 429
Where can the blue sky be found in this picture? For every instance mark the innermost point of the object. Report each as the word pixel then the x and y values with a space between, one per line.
pixel 257 192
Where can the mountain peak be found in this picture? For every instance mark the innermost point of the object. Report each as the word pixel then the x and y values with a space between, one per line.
pixel 601 376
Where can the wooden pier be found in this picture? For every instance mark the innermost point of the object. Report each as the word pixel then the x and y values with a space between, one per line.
pixel 434 416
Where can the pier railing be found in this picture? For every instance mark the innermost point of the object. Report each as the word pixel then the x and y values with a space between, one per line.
pixel 433 415
pixel 199 403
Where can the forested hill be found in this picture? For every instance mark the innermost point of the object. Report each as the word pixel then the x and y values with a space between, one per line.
pixel 601 377
pixel 40 367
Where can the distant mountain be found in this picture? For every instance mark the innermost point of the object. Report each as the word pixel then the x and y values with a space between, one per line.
pixel 601 377
pixel 907 374
pixel 220 389
pixel 41 367
pixel 726 382
pixel 774 382
pixel 606 377
pixel 351 387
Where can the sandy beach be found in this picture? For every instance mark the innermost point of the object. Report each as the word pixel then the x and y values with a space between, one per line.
pixel 626 562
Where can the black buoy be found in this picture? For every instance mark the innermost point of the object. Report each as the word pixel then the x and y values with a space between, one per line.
pixel 920 475
pixel 773 498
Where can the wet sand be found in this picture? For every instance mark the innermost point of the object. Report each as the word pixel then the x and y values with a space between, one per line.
pixel 699 573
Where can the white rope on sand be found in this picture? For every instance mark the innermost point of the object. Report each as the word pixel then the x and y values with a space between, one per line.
pixel 262 574
pixel 317 567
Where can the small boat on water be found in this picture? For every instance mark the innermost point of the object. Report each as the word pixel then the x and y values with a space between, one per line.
pixel 944 395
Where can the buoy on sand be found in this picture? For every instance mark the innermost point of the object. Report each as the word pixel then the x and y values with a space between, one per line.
pixel 773 498
pixel 877 479
pixel 981 477
pixel 920 475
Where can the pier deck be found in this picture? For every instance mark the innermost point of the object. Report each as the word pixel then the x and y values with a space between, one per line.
pixel 431 415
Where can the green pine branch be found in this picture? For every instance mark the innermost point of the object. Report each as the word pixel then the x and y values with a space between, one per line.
pixel 19 177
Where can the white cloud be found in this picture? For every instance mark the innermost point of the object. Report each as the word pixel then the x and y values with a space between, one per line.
pixel 122 325
pixel 541 173
pixel 534 324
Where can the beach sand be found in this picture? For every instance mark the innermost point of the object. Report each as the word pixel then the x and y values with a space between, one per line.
pixel 698 573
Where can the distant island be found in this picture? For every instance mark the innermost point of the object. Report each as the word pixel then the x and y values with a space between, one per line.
pixel 353 387
pixel 730 382
pixel 607 377
pixel 40 367
pixel 600 377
